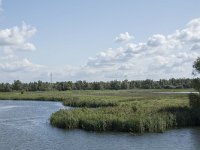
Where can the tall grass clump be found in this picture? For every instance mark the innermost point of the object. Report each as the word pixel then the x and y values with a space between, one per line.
pixel 88 102
pixel 106 120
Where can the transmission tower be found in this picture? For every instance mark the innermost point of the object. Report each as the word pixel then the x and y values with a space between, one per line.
pixel 51 78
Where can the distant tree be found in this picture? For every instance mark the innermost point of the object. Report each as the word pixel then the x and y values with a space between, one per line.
pixel 78 85
pixel 147 84
pixel 17 85
pixel 115 85
pixel 196 65
pixel 33 86
pixel 5 87
pixel 196 82
pixel 97 86
pixel 125 84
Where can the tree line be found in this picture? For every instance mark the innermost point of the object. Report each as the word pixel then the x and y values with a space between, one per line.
pixel 173 83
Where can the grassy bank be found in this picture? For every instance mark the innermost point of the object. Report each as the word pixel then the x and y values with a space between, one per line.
pixel 134 111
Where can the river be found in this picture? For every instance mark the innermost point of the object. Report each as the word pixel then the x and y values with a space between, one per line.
pixel 24 125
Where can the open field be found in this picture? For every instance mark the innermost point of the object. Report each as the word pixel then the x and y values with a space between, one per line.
pixel 134 111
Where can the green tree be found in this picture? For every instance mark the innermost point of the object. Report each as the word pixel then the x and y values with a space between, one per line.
pixel 125 84
pixel 17 85
pixel 115 85
pixel 196 65
pixel 195 98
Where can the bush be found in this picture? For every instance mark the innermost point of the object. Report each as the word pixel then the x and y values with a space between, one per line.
pixel 195 107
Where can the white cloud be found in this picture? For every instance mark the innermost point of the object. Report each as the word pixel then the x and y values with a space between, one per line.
pixel 17 37
pixel 161 56
pixel 13 64
pixel 12 68
pixel 156 40
pixel 124 37
pixel 190 34
pixel 28 46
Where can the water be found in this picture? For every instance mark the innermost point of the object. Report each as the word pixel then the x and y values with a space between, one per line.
pixel 24 125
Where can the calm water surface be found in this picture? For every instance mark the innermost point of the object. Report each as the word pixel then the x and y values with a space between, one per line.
pixel 24 125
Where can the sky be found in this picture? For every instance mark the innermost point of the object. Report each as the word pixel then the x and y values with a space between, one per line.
pixel 98 40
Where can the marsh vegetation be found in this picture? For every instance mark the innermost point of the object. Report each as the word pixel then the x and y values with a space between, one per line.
pixel 127 111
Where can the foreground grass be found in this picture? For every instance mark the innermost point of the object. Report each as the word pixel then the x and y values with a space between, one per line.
pixel 134 111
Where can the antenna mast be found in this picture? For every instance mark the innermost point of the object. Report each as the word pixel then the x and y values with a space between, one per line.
pixel 51 80
pixel 51 76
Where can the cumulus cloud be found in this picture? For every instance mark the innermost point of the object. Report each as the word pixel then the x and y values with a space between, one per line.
pixel 124 37
pixel 13 66
pixel 12 63
pixel 168 55
pixel 190 33
pixel 17 37
pixel 156 40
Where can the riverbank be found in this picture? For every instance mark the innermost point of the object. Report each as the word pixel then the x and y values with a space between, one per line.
pixel 134 111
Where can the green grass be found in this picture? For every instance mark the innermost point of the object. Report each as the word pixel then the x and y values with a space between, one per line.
pixel 134 111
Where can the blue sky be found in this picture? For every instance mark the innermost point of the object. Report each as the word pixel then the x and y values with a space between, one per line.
pixel 97 40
